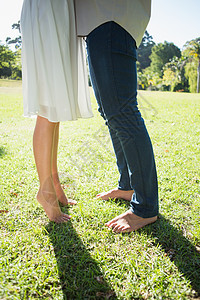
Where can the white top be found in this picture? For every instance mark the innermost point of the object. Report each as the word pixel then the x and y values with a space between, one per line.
pixel 55 83
pixel 132 15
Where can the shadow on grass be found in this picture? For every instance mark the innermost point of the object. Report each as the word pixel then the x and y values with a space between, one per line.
pixel 2 151
pixel 179 249
pixel 80 275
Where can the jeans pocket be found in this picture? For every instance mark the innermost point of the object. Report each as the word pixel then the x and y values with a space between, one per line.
pixel 122 41
pixel 131 46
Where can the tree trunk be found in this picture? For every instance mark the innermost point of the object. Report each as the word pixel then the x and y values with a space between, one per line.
pixel 198 77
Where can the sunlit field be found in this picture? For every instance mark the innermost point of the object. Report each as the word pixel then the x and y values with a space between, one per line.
pixel 83 259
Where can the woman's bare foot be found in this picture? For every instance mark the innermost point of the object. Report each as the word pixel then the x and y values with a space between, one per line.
pixel 128 222
pixel 61 195
pixel 116 193
pixel 50 204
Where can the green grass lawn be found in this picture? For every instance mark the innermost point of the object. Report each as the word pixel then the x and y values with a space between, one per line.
pixel 83 259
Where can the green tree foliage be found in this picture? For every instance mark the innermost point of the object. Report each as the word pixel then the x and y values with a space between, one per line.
pixel 161 54
pixel 153 79
pixel 142 80
pixel 169 78
pixel 18 40
pixel 10 61
pixel 17 68
pixel 192 52
pixel 174 74
pixel 169 69
pixel 7 59
pixel 191 74
pixel 144 51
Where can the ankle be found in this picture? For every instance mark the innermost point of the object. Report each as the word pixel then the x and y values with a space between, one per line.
pixel 55 177
pixel 45 192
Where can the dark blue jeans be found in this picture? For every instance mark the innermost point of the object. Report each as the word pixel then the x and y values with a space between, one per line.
pixel 112 63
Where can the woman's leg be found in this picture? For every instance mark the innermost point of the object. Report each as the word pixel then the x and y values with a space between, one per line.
pixel 59 191
pixel 43 149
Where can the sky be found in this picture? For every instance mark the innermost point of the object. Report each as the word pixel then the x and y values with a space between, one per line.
pixel 176 21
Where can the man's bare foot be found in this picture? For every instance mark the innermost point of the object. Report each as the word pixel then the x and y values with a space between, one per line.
pixel 50 204
pixel 61 195
pixel 128 222
pixel 116 193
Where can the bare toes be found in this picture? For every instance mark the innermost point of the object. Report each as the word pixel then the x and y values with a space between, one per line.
pixel 65 220
pixel 113 225
pixel 66 217
pixel 110 223
pixel 62 219
pixel 71 202
pixel 126 229
pixel 118 229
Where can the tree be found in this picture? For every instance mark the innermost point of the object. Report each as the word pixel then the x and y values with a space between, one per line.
pixel 192 49
pixel 7 59
pixel 142 81
pixel 174 74
pixel 191 74
pixel 17 68
pixel 18 40
pixel 144 51
pixel 10 61
pixel 161 54
pixel 153 79
pixel 169 78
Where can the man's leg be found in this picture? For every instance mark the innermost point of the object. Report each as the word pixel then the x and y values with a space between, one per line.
pixel 123 190
pixel 112 59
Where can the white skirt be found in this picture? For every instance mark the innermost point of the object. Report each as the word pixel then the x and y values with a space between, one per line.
pixel 55 83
